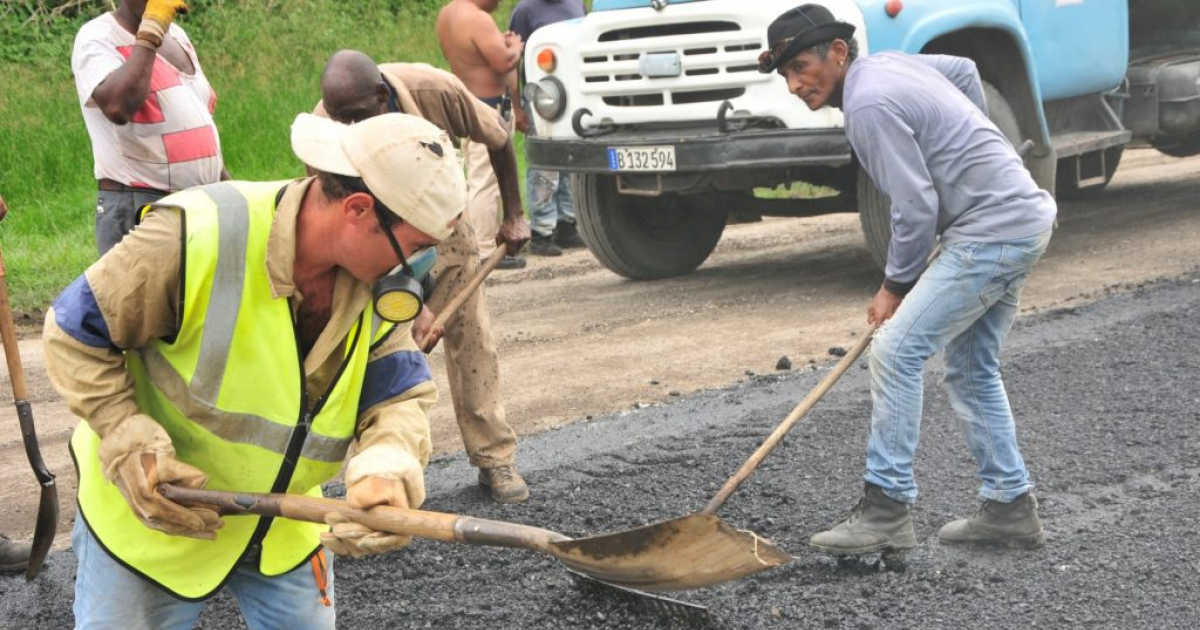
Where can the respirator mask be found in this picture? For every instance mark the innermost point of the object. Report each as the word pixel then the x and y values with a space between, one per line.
pixel 398 296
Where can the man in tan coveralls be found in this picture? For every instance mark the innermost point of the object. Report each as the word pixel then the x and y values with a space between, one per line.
pixel 484 58
pixel 355 88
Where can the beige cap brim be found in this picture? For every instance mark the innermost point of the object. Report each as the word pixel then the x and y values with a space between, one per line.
pixel 318 143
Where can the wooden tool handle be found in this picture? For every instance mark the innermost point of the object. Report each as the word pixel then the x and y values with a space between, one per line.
pixel 9 331
pixel 799 412
pixel 457 301
pixel 394 520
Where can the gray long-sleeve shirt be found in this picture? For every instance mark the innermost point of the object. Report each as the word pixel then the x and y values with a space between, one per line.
pixel 919 126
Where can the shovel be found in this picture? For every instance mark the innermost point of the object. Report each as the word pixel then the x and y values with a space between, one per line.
pixel 47 516
pixel 719 552
pixel 691 552
pixel 699 549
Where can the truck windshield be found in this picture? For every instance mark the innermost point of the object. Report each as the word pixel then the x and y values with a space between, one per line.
pixel 611 5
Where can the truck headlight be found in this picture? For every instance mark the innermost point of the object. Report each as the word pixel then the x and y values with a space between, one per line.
pixel 548 97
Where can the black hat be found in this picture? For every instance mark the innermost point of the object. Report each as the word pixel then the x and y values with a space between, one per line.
pixel 802 27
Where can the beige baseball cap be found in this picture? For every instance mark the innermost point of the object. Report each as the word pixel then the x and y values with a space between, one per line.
pixel 406 161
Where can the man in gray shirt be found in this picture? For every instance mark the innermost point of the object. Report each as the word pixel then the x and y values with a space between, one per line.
pixel 919 127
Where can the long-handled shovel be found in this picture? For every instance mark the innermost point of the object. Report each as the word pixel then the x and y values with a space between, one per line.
pixel 679 552
pixel 616 566
pixel 457 301
pixel 684 553
pixel 47 516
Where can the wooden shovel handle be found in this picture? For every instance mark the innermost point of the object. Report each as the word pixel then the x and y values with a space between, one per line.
pixel 9 331
pixel 394 520
pixel 457 301
pixel 799 412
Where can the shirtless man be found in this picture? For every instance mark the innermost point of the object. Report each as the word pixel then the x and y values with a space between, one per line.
pixel 483 58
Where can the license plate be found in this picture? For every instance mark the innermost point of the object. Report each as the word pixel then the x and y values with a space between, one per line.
pixel 661 158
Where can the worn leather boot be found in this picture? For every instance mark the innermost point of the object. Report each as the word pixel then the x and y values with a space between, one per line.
pixel 505 484
pixel 14 557
pixel 1013 524
pixel 878 523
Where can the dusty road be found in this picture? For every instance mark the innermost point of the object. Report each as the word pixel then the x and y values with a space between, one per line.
pixel 578 341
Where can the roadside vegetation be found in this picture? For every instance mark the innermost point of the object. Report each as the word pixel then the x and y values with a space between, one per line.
pixel 264 59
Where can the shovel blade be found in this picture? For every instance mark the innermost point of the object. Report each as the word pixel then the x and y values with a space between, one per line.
pixel 690 552
pixel 44 530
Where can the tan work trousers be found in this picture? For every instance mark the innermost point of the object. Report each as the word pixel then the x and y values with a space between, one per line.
pixel 472 364
pixel 484 207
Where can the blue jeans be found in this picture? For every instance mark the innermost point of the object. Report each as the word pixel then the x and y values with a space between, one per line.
pixel 965 303
pixel 110 597
pixel 549 194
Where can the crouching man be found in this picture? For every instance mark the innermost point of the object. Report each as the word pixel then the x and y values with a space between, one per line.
pixel 919 126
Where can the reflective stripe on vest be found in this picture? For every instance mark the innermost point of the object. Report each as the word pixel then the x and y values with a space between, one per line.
pixel 229 389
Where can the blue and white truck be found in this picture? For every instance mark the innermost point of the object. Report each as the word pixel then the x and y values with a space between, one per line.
pixel 657 110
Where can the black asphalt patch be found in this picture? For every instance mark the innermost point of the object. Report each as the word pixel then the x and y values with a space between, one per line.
pixel 1108 410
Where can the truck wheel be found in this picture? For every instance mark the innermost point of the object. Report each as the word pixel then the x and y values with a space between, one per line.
pixel 874 207
pixel 643 237
pixel 1067 189
pixel 1181 147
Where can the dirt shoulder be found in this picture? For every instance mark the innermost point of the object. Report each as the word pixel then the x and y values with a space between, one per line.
pixel 576 340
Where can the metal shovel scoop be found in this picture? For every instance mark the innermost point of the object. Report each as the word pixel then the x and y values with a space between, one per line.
pixel 47 515
pixel 699 549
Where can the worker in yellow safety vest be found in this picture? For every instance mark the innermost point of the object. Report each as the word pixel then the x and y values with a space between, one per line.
pixel 248 336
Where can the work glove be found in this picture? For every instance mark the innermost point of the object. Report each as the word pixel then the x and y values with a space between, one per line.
pixel 156 19
pixel 380 475
pixel 137 455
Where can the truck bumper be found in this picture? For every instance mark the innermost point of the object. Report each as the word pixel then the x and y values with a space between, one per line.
pixel 710 151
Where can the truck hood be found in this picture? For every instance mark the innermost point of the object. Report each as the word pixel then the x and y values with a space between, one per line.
pixel 613 5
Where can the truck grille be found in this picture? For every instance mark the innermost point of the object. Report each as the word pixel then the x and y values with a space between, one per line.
pixel 718 60
pixel 665 30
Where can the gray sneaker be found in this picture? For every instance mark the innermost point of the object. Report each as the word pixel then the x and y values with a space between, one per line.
pixel 877 524
pixel 1013 524
pixel 504 483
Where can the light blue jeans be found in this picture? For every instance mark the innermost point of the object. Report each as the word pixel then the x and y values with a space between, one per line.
pixel 549 194
pixel 110 597
pixel 965 303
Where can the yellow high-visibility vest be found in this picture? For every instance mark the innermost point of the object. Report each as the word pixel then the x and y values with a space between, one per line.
pixel 229 389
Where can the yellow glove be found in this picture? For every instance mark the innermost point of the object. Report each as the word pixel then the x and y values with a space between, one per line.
pixel 348 538
pixel 157 18
pixel 137 455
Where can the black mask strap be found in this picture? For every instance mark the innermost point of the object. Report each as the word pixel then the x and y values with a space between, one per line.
pixel 392 239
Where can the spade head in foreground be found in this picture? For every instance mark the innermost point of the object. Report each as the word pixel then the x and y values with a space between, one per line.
pixel 690 552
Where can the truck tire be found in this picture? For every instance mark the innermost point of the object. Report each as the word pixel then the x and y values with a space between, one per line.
pixel 1180 147
pixel 874 207
pixel 643 237
pixel 1068 190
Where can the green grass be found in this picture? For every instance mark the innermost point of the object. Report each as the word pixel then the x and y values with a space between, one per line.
pixel 795 190
pixel 264 59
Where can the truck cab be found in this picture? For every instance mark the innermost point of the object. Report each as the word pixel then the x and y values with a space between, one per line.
pixel 657 110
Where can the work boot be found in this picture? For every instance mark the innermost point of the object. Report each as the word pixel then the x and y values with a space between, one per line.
pixel 509 262
pixel 543 246
pixel 14 557
pixel 505 483
pixel 566 235
pixel 878 523
pixel 1013 524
